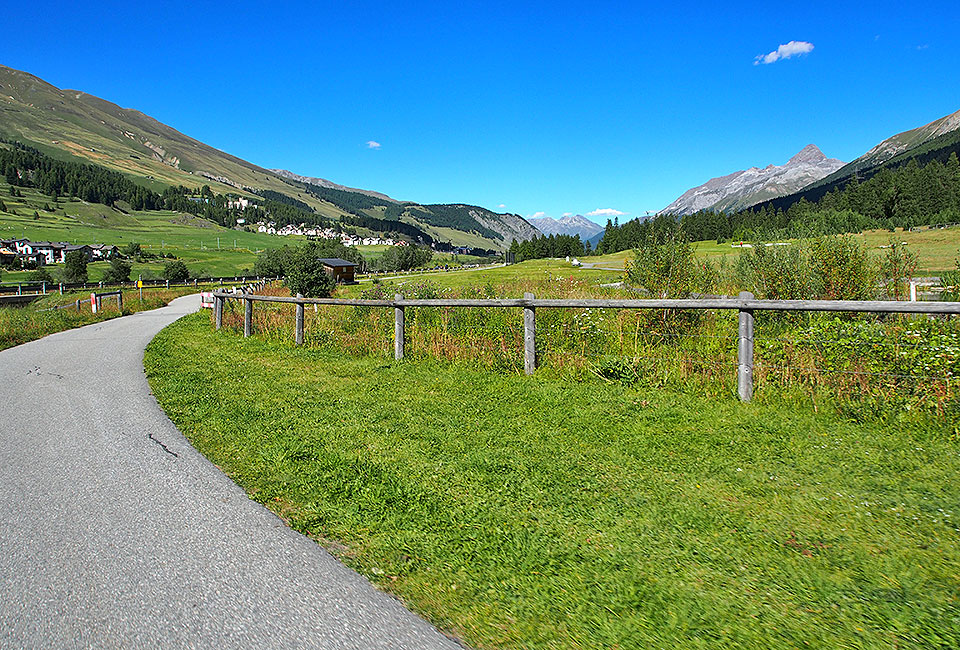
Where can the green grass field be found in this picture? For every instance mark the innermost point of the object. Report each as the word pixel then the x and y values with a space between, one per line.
pixel 205 247
pixel 544 513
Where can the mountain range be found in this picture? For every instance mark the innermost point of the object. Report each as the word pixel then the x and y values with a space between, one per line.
pixel 745 188
pixel 74 125
pixel 934 141
pixel 575 224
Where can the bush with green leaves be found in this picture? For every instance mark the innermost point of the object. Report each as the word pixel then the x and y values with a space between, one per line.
pixel 176 271
pixel 827 268
pixel 841 269
pixel 75 267
pixel 664 265
pixel 775 272
pixel 897 267
pixel 41 275
pixel 304 273
pixel 118 272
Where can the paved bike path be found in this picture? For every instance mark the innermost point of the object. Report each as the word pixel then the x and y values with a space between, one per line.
pixel 116 533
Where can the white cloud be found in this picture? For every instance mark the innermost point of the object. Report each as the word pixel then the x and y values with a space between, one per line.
pixel 568 214
pixel 925 46
pixel 373 144
pixel 537 215
pixel 605 212
pixel 785 51
pixel 502 205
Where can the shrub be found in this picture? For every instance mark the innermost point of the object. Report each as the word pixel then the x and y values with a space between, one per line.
pixel 840 269
pixel 304 273
pixel 775 272
pixel 41 275
pixel 75 267
pixel 176 271
pixel 664 265
pixel 897 266
pixel 119 271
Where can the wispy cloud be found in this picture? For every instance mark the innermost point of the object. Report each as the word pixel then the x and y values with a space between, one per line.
pixel 605 212
pixel 785 51
pixel 925 46
pixel 373 144
pixel 537 215
pixel 502 205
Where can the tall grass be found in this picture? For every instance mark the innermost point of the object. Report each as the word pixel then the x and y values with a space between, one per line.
pixel 907 362
pixel 23 324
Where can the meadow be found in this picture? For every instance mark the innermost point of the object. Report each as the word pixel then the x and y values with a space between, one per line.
pixel 577 508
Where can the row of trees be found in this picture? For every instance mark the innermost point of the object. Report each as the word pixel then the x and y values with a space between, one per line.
pixel 905 197
pixel 549 246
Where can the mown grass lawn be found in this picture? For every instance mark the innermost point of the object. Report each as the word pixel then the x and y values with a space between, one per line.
pixel 541 512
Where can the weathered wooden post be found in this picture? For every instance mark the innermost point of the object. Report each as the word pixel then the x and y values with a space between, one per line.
pixel 529 337
pixel 247 317
pixel 218 310
pixel 99 305
pixel 299 334
pixel 398 327
pixel 43 288
pixel 119 300
pixel 61 288
pixel 168 284
pixel 19 289
pixel 78 304
pixel 745 352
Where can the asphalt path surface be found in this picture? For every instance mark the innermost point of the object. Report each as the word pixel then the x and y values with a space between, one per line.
pixel 116 533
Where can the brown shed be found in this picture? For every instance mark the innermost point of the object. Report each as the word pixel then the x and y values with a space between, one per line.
pixel 341 270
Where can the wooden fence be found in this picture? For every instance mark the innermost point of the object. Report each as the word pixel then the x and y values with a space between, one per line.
pixel 745 304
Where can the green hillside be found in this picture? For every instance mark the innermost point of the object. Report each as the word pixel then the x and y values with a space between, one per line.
pixel 72 125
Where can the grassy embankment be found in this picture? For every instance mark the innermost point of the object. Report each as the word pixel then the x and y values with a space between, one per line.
pixel 207 248
pixel 22 324
pixel 563 511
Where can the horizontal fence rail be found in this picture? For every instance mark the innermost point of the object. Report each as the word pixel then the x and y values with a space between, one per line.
pixel 745 304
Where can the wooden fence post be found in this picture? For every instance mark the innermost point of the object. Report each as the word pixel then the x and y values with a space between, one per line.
pixel 529 337
pixel 745 352
pixel 299 333
pixel 78 304
pixel 61 288
pixel 247 317
pixel 398 327
pixel 218 310
pixel 99 305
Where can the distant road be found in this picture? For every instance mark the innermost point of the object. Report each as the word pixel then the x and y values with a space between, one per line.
pixel 116 533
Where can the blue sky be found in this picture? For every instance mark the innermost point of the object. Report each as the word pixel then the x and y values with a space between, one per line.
pixel 523 107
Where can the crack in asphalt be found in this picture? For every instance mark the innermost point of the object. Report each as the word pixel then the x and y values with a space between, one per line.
pixel 36 371
pixel 172 453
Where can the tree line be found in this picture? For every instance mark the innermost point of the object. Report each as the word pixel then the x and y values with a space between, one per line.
pixel 905 197
pixel 548 246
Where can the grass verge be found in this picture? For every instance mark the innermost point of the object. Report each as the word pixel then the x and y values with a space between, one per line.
pixel 544 512
pixel 23 324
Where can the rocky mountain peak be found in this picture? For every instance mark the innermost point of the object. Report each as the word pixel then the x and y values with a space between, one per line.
pixel 809 154
pixel 742 189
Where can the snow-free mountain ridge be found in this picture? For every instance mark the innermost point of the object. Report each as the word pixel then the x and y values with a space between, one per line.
pixel 742 189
